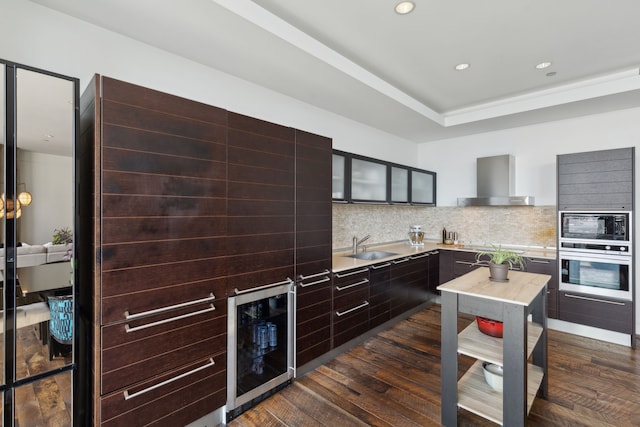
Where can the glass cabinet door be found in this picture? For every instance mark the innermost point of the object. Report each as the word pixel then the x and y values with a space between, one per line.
pixel 399 185
pixel 339 177
pixel 422 187
pixel 368 180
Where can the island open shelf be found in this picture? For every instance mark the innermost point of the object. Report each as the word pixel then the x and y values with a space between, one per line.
pixel 522 352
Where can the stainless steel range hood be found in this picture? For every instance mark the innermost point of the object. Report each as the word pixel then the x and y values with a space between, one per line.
pixel 496 184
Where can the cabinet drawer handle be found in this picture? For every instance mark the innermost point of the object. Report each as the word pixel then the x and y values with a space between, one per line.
pixel 376 267
pixel 593 299
pixel 434 252
pixel 361 282
pixel 420 256
pixel 128 329
pixel 304 285
pixel 539 261
pixel 313 276
pixel 270 285
pixel 128 316
pixel 340 276
pixel 465 263
pixel 400 261
pixel 128 396
pixel 342 313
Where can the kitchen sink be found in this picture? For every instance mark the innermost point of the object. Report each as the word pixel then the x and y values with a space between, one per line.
pixel 373 255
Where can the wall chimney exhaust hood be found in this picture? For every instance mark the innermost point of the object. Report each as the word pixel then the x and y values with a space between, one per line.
pixel 496 184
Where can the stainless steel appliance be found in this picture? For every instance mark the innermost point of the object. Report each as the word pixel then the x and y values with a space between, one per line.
pixel 416 235
pixel 576 226
pixel 260 354
pixel 596 274
pixel 595 253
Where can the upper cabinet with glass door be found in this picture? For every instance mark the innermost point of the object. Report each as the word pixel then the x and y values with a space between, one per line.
pixel 359 179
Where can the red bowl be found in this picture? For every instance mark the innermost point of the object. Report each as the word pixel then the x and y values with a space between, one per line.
pixel 489 326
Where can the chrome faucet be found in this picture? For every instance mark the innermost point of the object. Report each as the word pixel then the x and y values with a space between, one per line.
pixel 357 242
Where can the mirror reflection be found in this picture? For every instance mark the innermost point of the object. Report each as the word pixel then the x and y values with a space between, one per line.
pixel 42 211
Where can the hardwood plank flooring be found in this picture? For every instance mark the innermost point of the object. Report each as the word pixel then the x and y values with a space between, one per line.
pixel 393 379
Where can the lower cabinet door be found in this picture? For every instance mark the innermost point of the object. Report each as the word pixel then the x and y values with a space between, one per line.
pixel 174 398
pixel 590 310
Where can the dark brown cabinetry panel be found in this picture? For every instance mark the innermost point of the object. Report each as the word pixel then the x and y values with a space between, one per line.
pixel 605 313
pixel 434 272
pixel 261 163
pixel 379 294
pixel 177 402
pixel 550 267
pixel 313 245
pixel 350 305
pixel 159 225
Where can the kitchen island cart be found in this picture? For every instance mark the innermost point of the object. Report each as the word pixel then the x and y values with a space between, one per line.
pixel 520 303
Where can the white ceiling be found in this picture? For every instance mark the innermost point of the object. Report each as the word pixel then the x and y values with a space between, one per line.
pixel 360 59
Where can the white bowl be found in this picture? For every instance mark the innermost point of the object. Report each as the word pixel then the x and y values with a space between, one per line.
pixel 493 375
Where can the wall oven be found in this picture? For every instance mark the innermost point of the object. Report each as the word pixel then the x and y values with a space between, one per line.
pixel 260 352
pixel 595 253
pixel 597 274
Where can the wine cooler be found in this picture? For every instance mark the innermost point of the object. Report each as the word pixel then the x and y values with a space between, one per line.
pixel 260 344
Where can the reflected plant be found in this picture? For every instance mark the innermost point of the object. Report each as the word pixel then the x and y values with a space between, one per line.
pixel 62 236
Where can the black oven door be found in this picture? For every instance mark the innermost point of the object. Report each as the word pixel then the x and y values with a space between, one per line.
pixel 598 275
pixel 612 226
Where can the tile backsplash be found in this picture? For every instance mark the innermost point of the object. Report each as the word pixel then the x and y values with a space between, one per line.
pixel 517 225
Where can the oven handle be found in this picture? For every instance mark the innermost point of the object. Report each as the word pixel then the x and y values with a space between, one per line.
pixel 270 285
pixel 593 299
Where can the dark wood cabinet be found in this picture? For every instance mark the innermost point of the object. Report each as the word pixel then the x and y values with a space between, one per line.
pixel 434 272
pixel 260 202
pixel 409 283
pixel 350 314
pixel 550 267
pixel 159 241
pixel 379 294
pixel 596 179
pixel 463 262
pixel 313 245
pixel 600 312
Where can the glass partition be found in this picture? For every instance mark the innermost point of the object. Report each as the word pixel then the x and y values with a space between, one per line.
pixel 2 231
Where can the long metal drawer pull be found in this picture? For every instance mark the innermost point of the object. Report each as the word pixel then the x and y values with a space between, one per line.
pixel 317 282
pixel 128 316
pixel 376 267
pixel 270 285
pixel 419 256
pixel 313 276
pixel 363 305
pixel 434 252
pixel 465 262
pixel 593 299
pixel 361 282
pixel 400 261
pixel 539 261
pixel 340 276
pixel 209 364
pixel 128 329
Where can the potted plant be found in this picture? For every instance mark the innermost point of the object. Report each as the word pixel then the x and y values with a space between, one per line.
pixel 499 262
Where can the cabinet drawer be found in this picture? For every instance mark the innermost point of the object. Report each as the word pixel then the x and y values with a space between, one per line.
pixel 604 313
pixel 174 398
pixel 143 348
pixel 140 290
pixel 343 300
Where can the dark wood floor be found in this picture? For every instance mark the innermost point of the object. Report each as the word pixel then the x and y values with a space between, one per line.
pixel 393 379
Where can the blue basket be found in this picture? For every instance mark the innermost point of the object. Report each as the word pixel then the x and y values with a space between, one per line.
pixel 61 321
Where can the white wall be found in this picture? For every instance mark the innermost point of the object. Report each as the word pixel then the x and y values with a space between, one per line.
pixel 534 147
pixel 40 37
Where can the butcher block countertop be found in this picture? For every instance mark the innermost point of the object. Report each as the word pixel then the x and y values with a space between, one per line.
pixel 341 261
pixel 521 287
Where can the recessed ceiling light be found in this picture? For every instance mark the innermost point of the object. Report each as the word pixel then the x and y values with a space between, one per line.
pixel 462 66
pixel 543 65
pixel 405 7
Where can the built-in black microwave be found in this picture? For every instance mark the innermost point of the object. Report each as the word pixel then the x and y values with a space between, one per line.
pixel 599 226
